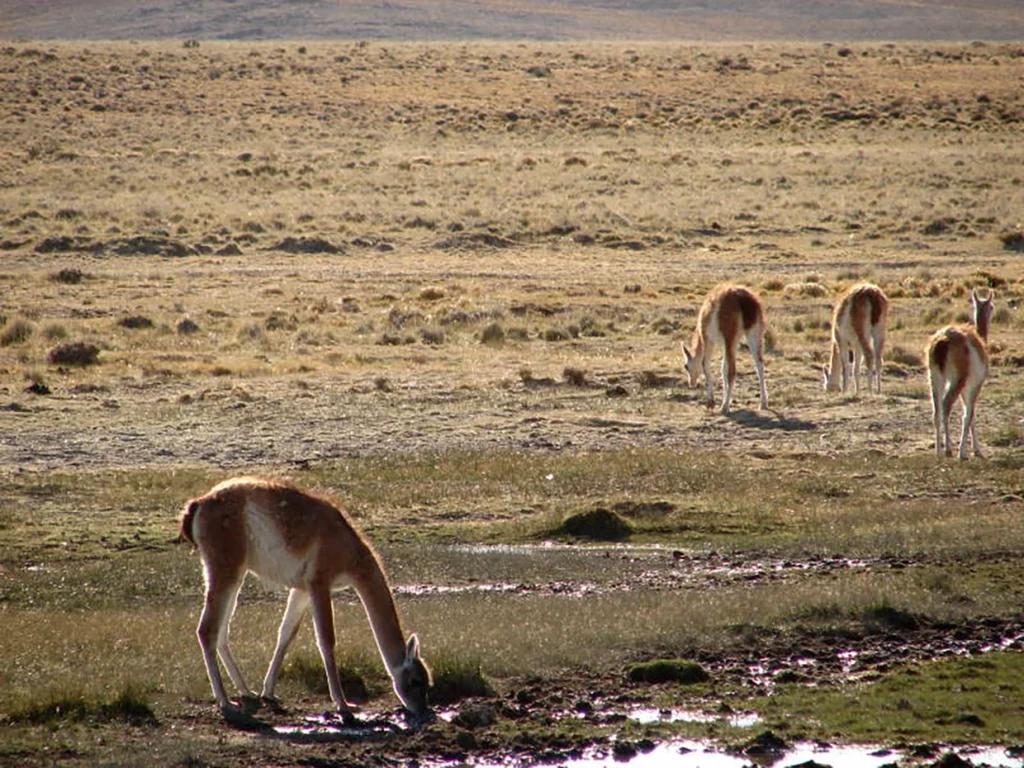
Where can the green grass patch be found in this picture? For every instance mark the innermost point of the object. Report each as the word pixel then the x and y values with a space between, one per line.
pixel 458 677
pixel 959 701
pixel 129 706
pixel 354 670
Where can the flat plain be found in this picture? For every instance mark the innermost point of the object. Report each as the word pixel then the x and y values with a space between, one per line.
pixel 447 284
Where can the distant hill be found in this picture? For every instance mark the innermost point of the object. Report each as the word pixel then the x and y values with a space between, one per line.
pixel 697 20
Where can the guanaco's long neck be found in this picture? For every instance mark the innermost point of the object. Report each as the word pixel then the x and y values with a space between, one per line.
pixel 375 594
pixel 981 324
pixel 697 340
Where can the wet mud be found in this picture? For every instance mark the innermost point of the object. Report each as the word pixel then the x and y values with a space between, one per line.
pixel 516 727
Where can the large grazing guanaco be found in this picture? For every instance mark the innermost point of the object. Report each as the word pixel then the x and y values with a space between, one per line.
pixel 294 538
pixel 729 313
pixel 858 331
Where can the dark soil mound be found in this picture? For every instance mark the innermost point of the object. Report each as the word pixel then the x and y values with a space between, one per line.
pixel 305 245
pixel 150 245
pixel 600 524
pixel 668 671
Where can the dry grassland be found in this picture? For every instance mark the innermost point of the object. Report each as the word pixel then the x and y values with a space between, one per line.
pixel 566 205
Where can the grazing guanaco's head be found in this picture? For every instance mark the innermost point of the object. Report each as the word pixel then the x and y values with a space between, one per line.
pixel 829 382
pixel 692 366
pixel 412 680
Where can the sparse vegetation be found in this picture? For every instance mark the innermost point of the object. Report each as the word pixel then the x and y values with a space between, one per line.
pixel 16 331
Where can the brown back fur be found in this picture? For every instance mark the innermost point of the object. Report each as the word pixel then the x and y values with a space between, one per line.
pixel 301 518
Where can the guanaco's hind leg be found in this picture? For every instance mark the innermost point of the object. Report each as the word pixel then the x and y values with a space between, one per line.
pixel 294 613
pixel 938 383
pixel 949 397
pixel 756 349
pixel 970 400
pixel 728 374
pixel 213 630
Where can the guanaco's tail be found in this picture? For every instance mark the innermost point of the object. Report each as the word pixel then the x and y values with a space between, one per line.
pixel 187 516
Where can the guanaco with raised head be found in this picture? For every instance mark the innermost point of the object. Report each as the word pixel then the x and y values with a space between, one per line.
pixel 957 358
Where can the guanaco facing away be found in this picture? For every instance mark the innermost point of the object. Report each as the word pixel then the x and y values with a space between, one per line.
pixel 728 314
pixel 858 331
pixel 291 537
pixel 957 367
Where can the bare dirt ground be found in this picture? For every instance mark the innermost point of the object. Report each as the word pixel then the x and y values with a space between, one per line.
pixel 342 225
pixel 285 254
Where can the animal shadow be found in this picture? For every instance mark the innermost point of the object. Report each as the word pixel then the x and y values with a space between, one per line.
pixel 770 419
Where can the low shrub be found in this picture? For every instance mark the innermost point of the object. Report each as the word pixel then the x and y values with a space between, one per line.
pixel 492 334
pixel 135 322
pixel 74 353
pixel 68 276
pixel 577 377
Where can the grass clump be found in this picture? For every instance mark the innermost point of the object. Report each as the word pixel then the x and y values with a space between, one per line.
pixel 599 524
pixel 679 671
pixel 457 678
pixel 885 616
pixel 129 706
pixel 307 670
pixel 17 331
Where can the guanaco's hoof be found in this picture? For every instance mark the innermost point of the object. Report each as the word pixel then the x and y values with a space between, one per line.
pixel 348 717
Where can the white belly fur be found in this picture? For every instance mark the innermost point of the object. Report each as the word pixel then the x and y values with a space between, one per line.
pixel 266 553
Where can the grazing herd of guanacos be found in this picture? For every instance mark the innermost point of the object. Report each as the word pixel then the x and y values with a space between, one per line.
pixel 292 537
pixel 956 355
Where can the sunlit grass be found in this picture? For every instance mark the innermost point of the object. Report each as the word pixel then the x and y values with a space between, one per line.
pixel 968 700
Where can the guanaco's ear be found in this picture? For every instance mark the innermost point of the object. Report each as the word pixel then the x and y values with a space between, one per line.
pixel 412 647
pixel 686 353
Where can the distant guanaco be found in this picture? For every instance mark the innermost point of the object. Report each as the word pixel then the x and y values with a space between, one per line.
pixel 294 538
pixel 858 331
pixel 957 367
pixel 729 313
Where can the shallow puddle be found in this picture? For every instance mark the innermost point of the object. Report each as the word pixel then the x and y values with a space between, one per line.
pixel 330 727
pixel 646 715
pixel 570 569
pixel 696 754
